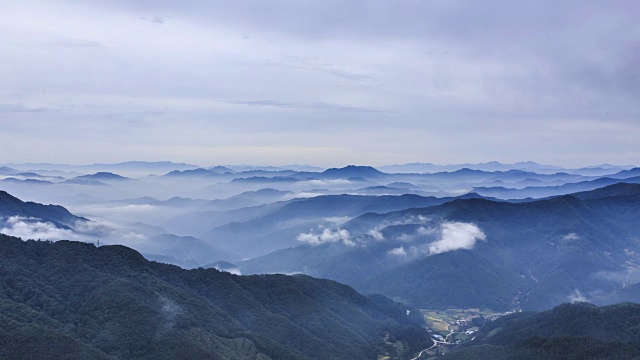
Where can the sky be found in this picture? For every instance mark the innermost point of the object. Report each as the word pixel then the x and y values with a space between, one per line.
pixel 326 83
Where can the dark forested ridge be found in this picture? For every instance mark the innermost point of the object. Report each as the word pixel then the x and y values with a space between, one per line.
pixel 568 331
pixel 74 300
pixel 56 214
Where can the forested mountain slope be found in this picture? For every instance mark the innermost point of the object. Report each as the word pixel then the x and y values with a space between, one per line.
pixel 74 300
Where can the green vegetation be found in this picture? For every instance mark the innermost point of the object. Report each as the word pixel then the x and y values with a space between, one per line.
pixel 69 300
pixel 569 331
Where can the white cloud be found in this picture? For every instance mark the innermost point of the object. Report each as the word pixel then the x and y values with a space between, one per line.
pixel 230 270
pixel 576 296
pixel 570 237
pixel 399 251
pixel 325 183
pixel 456 236
pixel 426 231
pixel 305 195
pixel 376 234
pixel 32 228
pixel 327 236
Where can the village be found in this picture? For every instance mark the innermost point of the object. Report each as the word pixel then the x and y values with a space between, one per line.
pixel 455 326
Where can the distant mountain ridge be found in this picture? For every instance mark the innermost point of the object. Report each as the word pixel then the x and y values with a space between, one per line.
pixel 58 215
pixel 536 254
pixel 103 176
pixel 278 226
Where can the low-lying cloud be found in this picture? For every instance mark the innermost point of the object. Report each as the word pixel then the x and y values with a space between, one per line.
pixel 577 296
pixel 33 228
pixel 456 236
pixel 327 236
pixel 376 234
pixel 570 237
pixel 436 239
pixel 399 251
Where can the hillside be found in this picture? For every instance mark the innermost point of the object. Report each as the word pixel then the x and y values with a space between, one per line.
pixel 491 254
pixel 569 331
pixel 58 215
pixel 73 300
pixel 278 227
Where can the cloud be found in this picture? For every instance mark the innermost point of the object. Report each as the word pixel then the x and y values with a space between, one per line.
pixel 170 309
pixel 33 228
pixel 305 195
pixel 327 236
pixel 576 296
pixel 421 233
pixel 426 231
pixel 399 251
pixel 376 234
pixel 367 64
pixel 230 270
pixel 456 236
pixel 571 237
pixel 304 105
pixel 335 182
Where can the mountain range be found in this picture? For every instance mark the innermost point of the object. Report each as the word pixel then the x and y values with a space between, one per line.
pixel 481 253
pixel 75 300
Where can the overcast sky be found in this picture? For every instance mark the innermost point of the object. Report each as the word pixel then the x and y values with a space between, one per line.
pixel 320 82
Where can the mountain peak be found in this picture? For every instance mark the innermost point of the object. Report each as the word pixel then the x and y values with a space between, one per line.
pixel 350 171
pixel 103 175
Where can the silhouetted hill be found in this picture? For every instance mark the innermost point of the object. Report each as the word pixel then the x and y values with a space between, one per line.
pixel 350 171
pixel 73 300
pixel 199 172
pixel 58 215
pixel 4 170
pixel 625 174
pixel 547 191
pixel 103 176
pixel 12 180
pixel 616 190
pixel 220 169
pixel 250 198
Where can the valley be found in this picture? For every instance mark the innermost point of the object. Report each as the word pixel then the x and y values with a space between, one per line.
pixel 468 258
pixel 320 180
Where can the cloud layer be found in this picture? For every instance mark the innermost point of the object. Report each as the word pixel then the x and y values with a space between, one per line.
pixel 458 80
pixel 327 236
pixel 32 228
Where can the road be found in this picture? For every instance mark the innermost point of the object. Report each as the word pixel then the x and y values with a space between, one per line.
pixel 435 343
